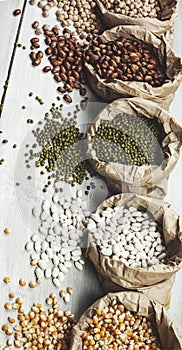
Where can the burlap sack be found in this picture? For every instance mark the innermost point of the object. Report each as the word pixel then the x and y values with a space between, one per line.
pixel 155 281
pixel 161 26
pixel 116 89
pixel 136 302
pixel 147 180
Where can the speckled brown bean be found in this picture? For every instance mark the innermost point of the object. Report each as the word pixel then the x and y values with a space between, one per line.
pixel 49 33
pixel 68 87
pixel 35 25
pixel 67 65
pixel 63 77
pixel 33 55
pixel 48 51
pixel 56 69
pixel 57 78
pixel 39 55
pixel 67 98
pixel 34 40
pixel 77 86
pixel 71 80
pixel 36 62
pixel 36 45
pixel 46 69
pixel 48 40
pixel 61 89
pixel 70 60
pixel 76 74
pixel 63 69
pixel 16 12
pixel 52 57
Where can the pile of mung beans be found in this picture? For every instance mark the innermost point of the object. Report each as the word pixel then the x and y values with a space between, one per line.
pixel 125 59
pixel 129 139
pixel 114 327
pixel 60 149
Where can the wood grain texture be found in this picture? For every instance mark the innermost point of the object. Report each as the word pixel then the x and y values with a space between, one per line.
pixel 8 34
pixel 25 78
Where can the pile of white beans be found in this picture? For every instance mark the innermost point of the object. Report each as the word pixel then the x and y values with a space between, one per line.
pixel 128 235
pixel 60 237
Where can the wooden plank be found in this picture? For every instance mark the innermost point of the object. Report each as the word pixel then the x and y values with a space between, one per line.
pixel 25 78
pixel 8 36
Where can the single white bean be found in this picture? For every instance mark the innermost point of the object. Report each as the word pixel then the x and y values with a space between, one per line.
pixel 39 273
pixel 78 265
pixel 56 282
pixel 48 273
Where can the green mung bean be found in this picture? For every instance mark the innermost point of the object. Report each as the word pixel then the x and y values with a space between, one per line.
pixel 60 148
pixel 130 140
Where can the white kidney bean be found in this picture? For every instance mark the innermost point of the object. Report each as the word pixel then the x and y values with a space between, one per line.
pixel 128 235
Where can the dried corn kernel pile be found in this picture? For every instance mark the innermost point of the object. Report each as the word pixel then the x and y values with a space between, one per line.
pixel 40 328
pixel 115 328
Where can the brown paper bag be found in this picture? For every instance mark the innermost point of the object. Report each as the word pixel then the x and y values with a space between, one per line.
pixel 147 180
pixel 160 293
pixel 136 302
pixel 115 275
pixel 162 26
pixel 116 89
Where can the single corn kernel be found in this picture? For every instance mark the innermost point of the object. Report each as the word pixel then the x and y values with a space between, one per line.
pixel 5 327
pixel 9 333
pixel 6 280
pixel 9 342
pixel 7 231
pixel 17 344
pixel 32 284
pixel 52 295
pixel 22 282
pixel 19 301
pixel 11 295
pixel 62 293
pixel 7 306
pixel 70 290
pixel 11 320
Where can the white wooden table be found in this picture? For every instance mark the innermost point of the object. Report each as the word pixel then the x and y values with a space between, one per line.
pixel 23 78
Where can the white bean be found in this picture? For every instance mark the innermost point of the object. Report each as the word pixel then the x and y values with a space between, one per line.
pixel 106 251
pixel 56 282
pixel 42 264
pixel 39 273
pixel 78 265
pixel 29 246
pixel 48 273
pixel 55 272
